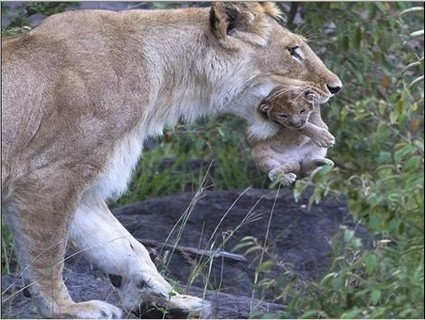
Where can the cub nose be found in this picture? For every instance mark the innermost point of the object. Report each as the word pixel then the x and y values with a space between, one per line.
pixel 333 90
pixel 297 124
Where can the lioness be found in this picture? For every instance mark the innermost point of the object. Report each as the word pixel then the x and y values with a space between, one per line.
pixel 301 144
pixel 80 94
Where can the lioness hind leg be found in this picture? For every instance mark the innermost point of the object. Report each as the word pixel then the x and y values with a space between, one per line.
pixel 39 218
pixel 127 262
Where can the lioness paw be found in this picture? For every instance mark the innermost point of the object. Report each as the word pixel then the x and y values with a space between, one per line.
pixel 93 309
pixel 195 307
pixel 175 307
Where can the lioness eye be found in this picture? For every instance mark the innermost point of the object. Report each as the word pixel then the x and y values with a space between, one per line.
pixel 295 52
pixel 302 111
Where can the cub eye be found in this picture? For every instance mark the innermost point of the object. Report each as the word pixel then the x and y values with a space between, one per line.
pixel 310 96
pixel 302 111
pixel 295 52
pixel 281 115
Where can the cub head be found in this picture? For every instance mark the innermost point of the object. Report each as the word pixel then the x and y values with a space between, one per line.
pixel 274 55
pixel 288 107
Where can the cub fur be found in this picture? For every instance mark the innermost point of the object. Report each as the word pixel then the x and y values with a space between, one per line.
pixel 301 144
pixel 81 93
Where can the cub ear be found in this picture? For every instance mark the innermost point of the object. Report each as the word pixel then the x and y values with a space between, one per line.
pixel 265 107
pixel 247 21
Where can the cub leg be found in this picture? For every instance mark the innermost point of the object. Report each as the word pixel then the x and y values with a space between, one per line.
pixel 265 158
pixel 285 173
pixel 316 119
pixel 320 136
pixel 38 210
pixel 113 249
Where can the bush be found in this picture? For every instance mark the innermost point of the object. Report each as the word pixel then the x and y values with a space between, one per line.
pixel 380 168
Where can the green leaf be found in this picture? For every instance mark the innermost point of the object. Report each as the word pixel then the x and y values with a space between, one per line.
pixel 345 43
pixel 265 266
pixel 357 38
pixel 384 157
pixel 338 283
pixel 375 295
pixel 348 235
pixel 352 314
pixel 370 262
pixel 413 163
pixel 375 223
pixel 401 227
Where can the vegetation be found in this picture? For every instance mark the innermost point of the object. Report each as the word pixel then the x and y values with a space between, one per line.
pixel 377 49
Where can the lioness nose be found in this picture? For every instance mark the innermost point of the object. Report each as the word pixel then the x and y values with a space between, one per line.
pixel 334 90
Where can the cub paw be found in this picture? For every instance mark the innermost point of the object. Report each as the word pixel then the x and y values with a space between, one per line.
pixel 288 179
pixel 324 139
pixel 278 175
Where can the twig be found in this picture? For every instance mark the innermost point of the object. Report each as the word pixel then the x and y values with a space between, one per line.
pixel 190 250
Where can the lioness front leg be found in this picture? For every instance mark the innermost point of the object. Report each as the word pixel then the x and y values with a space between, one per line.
pixel 127 262
pixel 320 136
pixel 39 218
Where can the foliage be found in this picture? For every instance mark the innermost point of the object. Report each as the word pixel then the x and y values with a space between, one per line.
pixel 380 165
pixel 385 282
pixel 380 147
pixel 19 16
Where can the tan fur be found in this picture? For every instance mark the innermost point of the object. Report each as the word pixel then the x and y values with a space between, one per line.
pixel 81 92
pixel 301 144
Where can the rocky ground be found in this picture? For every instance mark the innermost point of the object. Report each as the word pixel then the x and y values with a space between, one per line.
pixel 215 223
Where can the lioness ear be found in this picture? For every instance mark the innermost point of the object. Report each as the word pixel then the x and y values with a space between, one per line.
pixel 247 21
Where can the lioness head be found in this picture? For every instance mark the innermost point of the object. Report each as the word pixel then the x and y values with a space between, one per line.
pixel 288 107
pixel 280 56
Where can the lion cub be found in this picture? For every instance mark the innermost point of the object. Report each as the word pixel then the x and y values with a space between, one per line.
pixel 301 143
